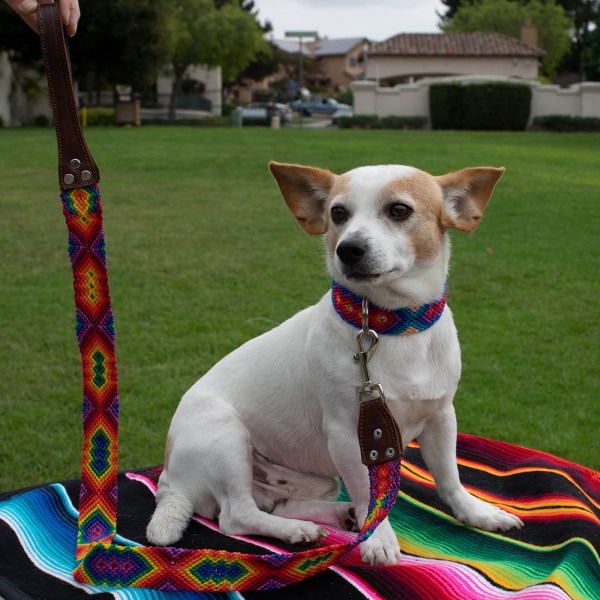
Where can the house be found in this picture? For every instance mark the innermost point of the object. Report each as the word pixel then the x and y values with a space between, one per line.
pixel 411 56
pixel 336 63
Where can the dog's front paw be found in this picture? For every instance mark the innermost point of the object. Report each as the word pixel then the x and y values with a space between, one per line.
pixel 305 532
pixel 476 513
pixel 382 548
pixel 377 552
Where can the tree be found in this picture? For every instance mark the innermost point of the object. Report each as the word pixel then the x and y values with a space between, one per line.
pixel 452 7
pixel 250 7
pixel 120 42
pixel 585 13
pixel 590 56
pixel 267 60
pixel 228 36
pixel 505 16
pixel 24 52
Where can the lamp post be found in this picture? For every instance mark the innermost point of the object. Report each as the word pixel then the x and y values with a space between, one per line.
pixel 301 35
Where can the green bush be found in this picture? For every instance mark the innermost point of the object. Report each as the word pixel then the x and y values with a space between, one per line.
pixel 203 122
pixel 41 121
pixel 100 116
pixel 263 95
pixel 374 122
pixel 446 106
pixel 365 122
pixel 345 96
pixel 393 122
pixel 567 123
pixel 493 106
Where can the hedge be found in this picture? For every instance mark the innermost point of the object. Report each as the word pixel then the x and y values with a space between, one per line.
pixel 489 106
pixel 567 123
pixel 374 122
pixel 100 116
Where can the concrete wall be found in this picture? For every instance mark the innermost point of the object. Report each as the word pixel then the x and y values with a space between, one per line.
pixel 580 100
pixel 408 100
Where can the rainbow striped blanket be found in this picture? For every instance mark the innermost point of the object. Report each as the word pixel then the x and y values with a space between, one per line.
pixel 554 557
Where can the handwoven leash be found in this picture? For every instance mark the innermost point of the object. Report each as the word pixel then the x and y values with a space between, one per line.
pixel 99 561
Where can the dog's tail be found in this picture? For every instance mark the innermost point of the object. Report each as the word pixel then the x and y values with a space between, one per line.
pixel 170 519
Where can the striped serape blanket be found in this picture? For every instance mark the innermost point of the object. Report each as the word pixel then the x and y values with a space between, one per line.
pixel 554 557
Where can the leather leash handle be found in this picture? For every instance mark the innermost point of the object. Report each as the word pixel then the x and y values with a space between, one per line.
pixel 76 167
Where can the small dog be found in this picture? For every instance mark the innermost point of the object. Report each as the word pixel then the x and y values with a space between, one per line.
pixel 259 441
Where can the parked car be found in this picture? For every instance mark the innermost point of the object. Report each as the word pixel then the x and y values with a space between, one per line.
pixel 262 112
pixel 343 111
pixel 319 105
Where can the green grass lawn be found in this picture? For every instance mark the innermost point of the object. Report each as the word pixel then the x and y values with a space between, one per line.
pixel 203 255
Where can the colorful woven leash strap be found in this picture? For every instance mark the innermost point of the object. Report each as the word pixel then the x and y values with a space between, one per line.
pixel 99 561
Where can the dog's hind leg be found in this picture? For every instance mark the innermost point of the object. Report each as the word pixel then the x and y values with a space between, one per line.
pixel 170 519
pixel 337 514
pixel 210 471
pixel 292 494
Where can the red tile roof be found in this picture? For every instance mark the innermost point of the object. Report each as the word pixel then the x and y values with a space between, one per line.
pixel 477 43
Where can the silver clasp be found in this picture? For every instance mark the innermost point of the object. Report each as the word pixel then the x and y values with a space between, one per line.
pixel 367 341
pixel 364 354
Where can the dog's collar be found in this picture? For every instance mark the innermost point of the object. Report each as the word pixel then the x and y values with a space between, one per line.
pixel 400 321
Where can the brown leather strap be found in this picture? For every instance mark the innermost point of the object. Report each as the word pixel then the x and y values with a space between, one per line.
pixel 378 433
pixel 76 167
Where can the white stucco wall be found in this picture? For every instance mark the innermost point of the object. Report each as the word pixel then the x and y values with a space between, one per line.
pixel 407 100
pixel 581 99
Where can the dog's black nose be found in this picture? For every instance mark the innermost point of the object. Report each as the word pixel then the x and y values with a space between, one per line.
pixel 350 252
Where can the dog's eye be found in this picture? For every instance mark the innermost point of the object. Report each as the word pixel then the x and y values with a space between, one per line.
pixel 339 215
pixel 400 211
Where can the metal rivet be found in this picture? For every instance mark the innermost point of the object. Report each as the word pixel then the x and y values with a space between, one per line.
pixel 390 452
pixel 377 434
pixel 75 163
pixel 68 178
pixel 85 175
pixel 373 454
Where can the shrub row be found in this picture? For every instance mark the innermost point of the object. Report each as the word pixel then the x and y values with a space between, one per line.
pixel 374 122
pixel 100 116
pixel 493 106
pixel 567 123
pixel 203 122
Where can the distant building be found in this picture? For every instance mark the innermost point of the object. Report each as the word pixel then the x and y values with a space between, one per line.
pixel 329 63
pixel 410 56
pixel 337 63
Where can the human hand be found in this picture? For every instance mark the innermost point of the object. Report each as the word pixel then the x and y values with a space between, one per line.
pixel 27 10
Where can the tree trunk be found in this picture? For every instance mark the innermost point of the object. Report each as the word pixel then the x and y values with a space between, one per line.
pixel 179 72
pixel 17 96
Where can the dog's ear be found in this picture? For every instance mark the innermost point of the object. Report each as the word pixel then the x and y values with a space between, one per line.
pixel 305 190
pixel 466 194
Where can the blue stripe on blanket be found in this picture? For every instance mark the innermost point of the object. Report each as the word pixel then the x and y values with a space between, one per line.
pixel 45 523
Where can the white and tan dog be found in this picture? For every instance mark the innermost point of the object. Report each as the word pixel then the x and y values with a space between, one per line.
pixel 258 442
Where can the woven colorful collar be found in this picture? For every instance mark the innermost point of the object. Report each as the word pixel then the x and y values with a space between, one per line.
pixel 400 321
